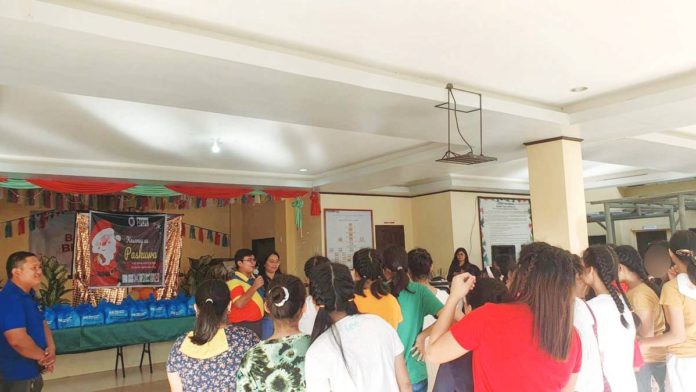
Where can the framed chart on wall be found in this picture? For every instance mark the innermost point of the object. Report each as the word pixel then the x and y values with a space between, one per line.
pixel 505 225
pixel 346 231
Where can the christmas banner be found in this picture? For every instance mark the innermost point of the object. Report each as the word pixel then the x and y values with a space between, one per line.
pixel 55 238
pixel 126 250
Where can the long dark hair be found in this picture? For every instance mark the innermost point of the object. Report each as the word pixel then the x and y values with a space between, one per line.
pixel 368 265
pixel 683 245
pixel 212 298
pixel 605 261
pixel 454 267
pixel 395 260
pixel 262 266
pixel 285 298
pixel 629 257
pixel 332 290
pixel 419 263
pixel 544 269
pixel 488 290
pixel 309 266
pixel 262 270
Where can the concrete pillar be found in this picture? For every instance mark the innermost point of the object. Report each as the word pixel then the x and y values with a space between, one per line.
pixel 557 191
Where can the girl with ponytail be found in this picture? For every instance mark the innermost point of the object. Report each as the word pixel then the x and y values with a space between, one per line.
pixel 350 351
pixel 371 290
pixel 208 357
pixel 642 296
pixel 277 364
pixel 310 311
pixel 416 302
pixel 678 299
pixel 615 325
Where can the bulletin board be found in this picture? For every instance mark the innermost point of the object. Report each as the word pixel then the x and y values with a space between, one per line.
pixel 505 224
pixel 345 232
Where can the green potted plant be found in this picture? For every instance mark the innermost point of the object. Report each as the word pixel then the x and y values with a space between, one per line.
pixel 55 278
pixel 201 269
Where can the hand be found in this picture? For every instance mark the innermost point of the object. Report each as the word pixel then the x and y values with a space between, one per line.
pixel 258 283
pixel 418 349
pixel 48 360
pixel 461 285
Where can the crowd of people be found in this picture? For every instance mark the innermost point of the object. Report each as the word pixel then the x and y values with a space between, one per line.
pixel 606 320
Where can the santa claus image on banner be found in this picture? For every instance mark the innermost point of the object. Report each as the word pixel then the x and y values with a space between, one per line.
pixel 104 246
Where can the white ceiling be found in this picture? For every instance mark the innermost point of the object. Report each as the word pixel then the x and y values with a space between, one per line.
pixel 139 90
pixel 534 49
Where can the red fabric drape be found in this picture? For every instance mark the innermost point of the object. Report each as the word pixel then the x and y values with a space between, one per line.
pixel 210 192
pixel 316 204
pixel 80 187
pixel 278 194
pixel 3 179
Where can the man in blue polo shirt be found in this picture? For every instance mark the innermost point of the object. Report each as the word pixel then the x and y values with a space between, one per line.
pixel 26 344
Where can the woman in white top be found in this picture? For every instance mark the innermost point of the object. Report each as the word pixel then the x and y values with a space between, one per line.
pixel 590 377
pixel 350 351
pixel 310 313
pixel 615 326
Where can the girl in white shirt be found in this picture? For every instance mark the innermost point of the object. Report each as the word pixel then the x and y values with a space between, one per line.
pixel 310 313
pixel 590 377
pixel 350 351
pixel 616 330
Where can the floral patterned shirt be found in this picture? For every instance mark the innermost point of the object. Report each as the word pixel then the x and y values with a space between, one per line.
pixel 216 373
pixel 274 365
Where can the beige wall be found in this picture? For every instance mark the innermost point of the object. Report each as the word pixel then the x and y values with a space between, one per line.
pixel 433 229
pixel 385 210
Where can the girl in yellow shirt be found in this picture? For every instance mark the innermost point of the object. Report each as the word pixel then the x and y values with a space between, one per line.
pixel 371 291
pixel 678 299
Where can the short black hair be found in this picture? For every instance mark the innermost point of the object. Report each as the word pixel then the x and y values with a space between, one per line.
pixel 241 254
pixel 16 260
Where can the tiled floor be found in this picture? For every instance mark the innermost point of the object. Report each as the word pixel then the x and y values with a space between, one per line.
pixel 135 381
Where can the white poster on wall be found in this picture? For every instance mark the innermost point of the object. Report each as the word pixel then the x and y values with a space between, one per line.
pixel 345 232
pixel 56 238
pixel 506 225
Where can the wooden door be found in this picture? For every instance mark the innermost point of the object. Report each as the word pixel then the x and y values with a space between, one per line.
pixel 387 235
pixel 262 247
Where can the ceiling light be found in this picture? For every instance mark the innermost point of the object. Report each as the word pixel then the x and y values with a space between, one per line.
pixel 216 147
pixel 470 157
pixel 304 170
pixel 578 89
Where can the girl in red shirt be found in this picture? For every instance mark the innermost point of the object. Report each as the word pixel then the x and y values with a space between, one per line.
pixel 531 340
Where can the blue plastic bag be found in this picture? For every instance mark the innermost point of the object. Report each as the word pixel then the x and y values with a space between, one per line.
pixel 89 315
pixel 114 314
pixel 178 308
pixel 158 309
pixel 50 317
pixel 138 310
pixel 190 310
pixel 66 317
